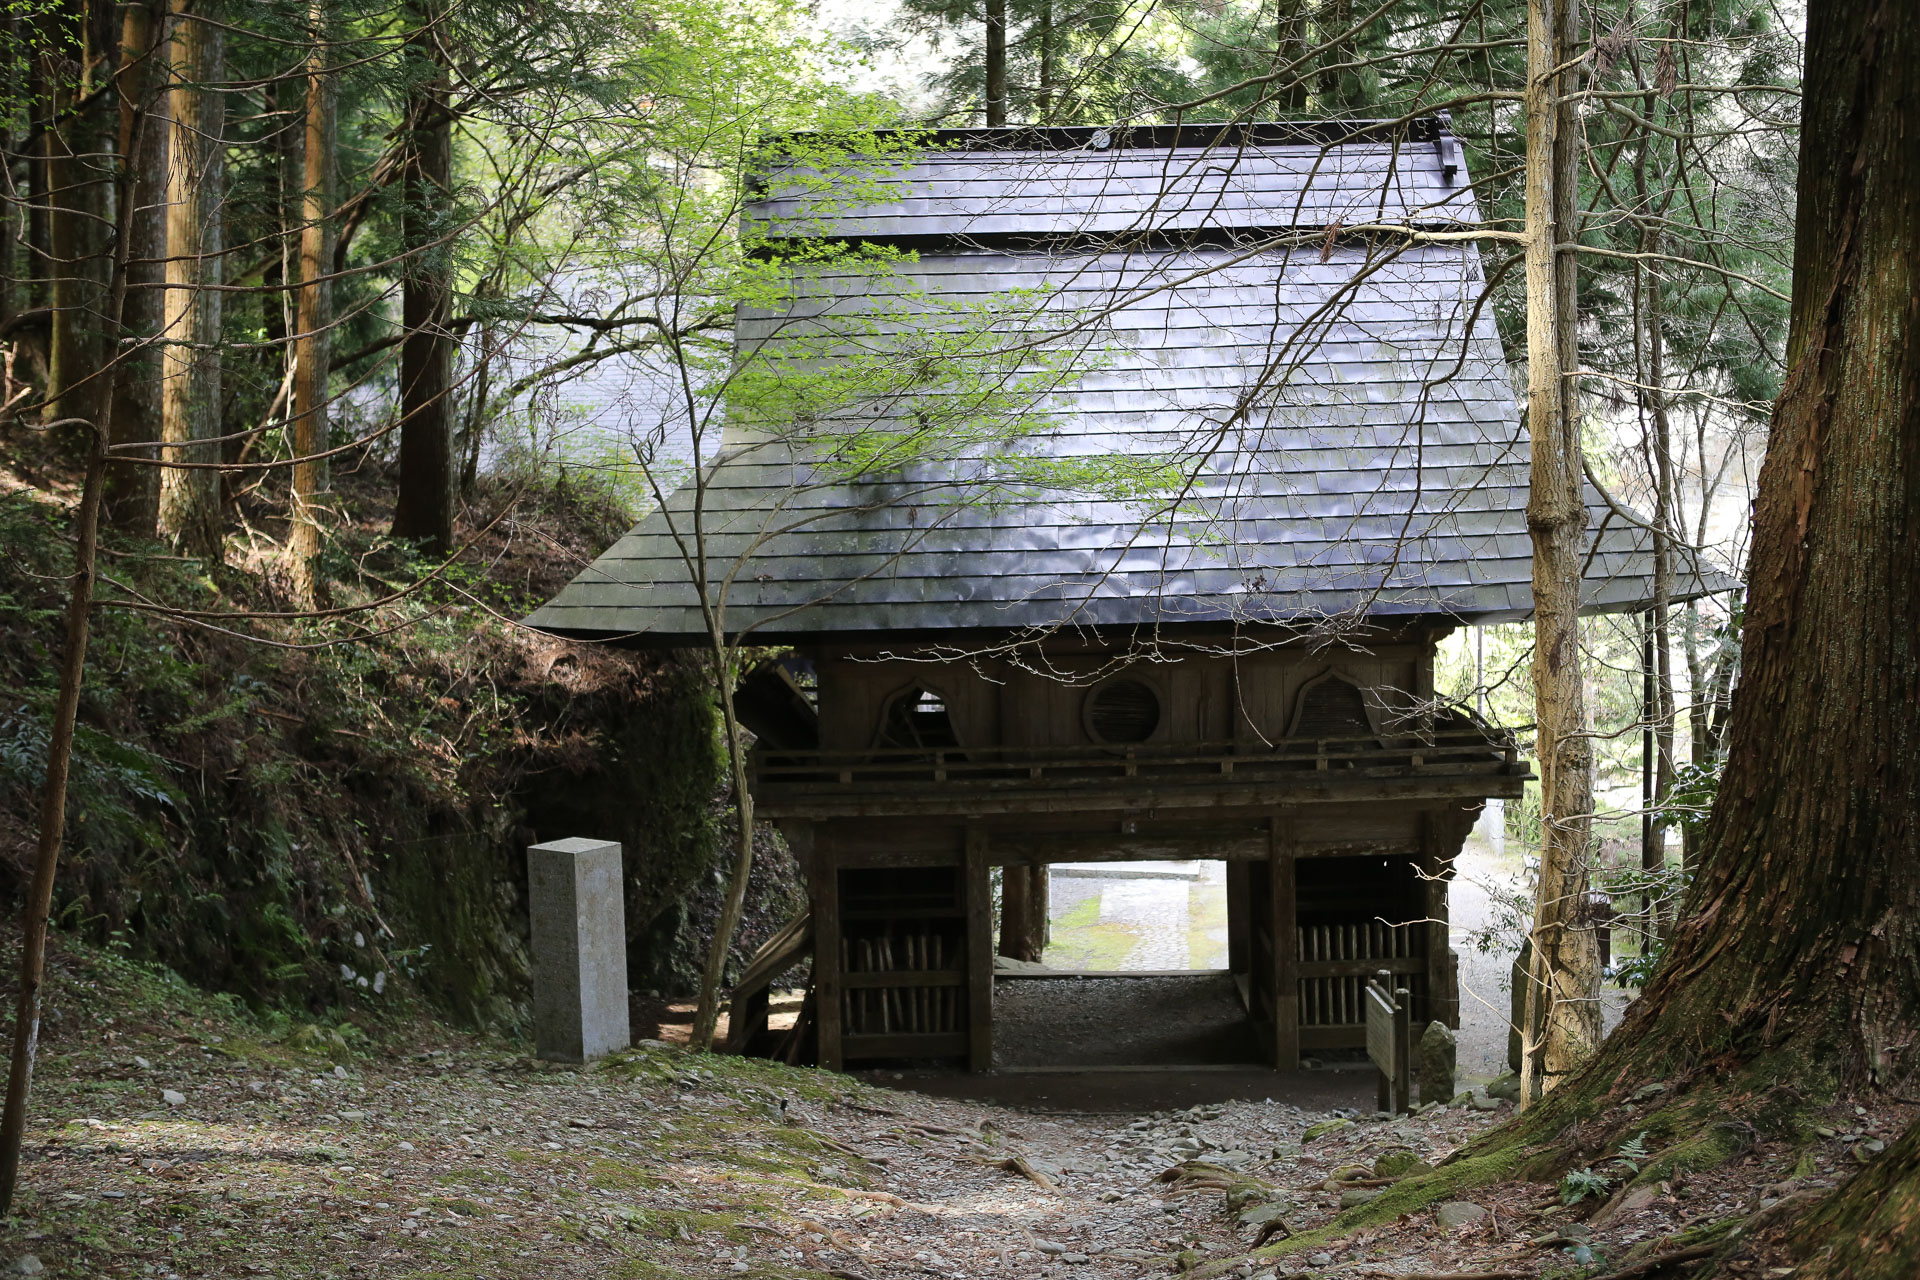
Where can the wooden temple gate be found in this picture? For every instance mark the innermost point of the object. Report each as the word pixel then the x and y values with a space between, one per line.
pixel 1350 873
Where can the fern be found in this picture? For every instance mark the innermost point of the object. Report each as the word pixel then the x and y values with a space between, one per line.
pixel 1581 1183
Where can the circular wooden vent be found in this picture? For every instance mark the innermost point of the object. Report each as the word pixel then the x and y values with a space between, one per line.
pixel 1123 711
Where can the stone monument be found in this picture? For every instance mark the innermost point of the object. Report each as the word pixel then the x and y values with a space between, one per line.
pixel 1433 1063
pixel 574 896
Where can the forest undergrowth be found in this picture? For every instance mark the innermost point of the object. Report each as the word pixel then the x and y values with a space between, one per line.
pixel 312 812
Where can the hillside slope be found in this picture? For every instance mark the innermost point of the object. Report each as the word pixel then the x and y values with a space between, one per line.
pixel 307 812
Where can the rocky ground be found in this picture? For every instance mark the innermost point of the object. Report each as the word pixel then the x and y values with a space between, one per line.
pixel 175 1136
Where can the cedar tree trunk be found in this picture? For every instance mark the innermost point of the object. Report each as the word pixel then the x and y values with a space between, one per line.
pixel 1563 1018
pixel 79 159
pixel 996 63
pixel 196 180
pixel 313 320
pixel 133 489
pixel 423 508
pixel 1793 973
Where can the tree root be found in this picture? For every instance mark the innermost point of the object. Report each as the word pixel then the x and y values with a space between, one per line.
pixel 1870 1228
pixel 1654 1265
pixel 1019 1165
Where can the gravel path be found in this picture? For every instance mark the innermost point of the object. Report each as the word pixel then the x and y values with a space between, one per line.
pixel 1103 1022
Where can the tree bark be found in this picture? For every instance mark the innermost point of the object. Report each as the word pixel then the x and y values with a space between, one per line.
pixel 1338 84
pixel 1655 857
pixel 996 63
pixel 1023 912
pixel 133 489
pixel 1794 970
pixel 1803 921
pixel 706 1016
pixel 79 162
pixel 1049 64
pixel 313 322
pixel 190 360
pixel 1563 1021
pixel 423 508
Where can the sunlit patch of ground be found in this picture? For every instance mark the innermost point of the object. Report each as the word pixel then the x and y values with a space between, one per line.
pixel 1081 940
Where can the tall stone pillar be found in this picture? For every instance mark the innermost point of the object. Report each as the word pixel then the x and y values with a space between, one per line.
pixel 574 895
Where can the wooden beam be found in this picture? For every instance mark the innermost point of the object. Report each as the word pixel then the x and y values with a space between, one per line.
pixel 979 893
pixel 1242 842
pixel 1286 947
pixel 1121 795
pixel 905 1045
pixel 905 978
pixel 824 888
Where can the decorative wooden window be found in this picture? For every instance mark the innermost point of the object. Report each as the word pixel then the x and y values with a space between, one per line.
pixel 918 717
pixel 1123 711
pixel 1332 706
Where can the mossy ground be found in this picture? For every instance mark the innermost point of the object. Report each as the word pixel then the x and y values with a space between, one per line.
pixel 412 1151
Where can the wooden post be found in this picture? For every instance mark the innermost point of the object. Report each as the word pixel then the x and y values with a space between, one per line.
pixel 1239 918
pixel 979 891
pixel 1436 868
pixel 823 880
pixel 1389 1021
pixel 1403 1049
pixel 1286 945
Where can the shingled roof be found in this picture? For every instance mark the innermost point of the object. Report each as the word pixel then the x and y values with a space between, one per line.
pixel 1340 393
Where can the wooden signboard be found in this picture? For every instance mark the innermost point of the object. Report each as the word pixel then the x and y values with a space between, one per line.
pixel 1390 1042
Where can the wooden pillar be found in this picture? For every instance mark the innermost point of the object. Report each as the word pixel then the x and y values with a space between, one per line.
pixel 1286 944
pixel 1437 850
pixel 979 891
pixel 1239 917
pixel 823 885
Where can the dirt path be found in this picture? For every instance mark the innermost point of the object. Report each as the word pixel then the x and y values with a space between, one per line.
pixel 653 1164
pixel 174 1137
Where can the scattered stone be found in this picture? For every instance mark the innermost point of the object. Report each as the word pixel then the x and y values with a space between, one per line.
pixel 1075 1258
pixel 406 1146
pixel 144 1065
pixel 353 1117
pixel 1648 1092
pixel 1507 1086
pixel 1454 1214
pixel 1637 1198
pixel 1826 1131
pixel 1433 1063
pixel 339 1073
pixel 1479 1103
pixel 1357 1196
pixel 1320 1260
pixel 1188 1259
pixel 26 1265
pixel 1048 1246
pixel 173 1097
pixel 1261 1214
pixel 1324 1128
